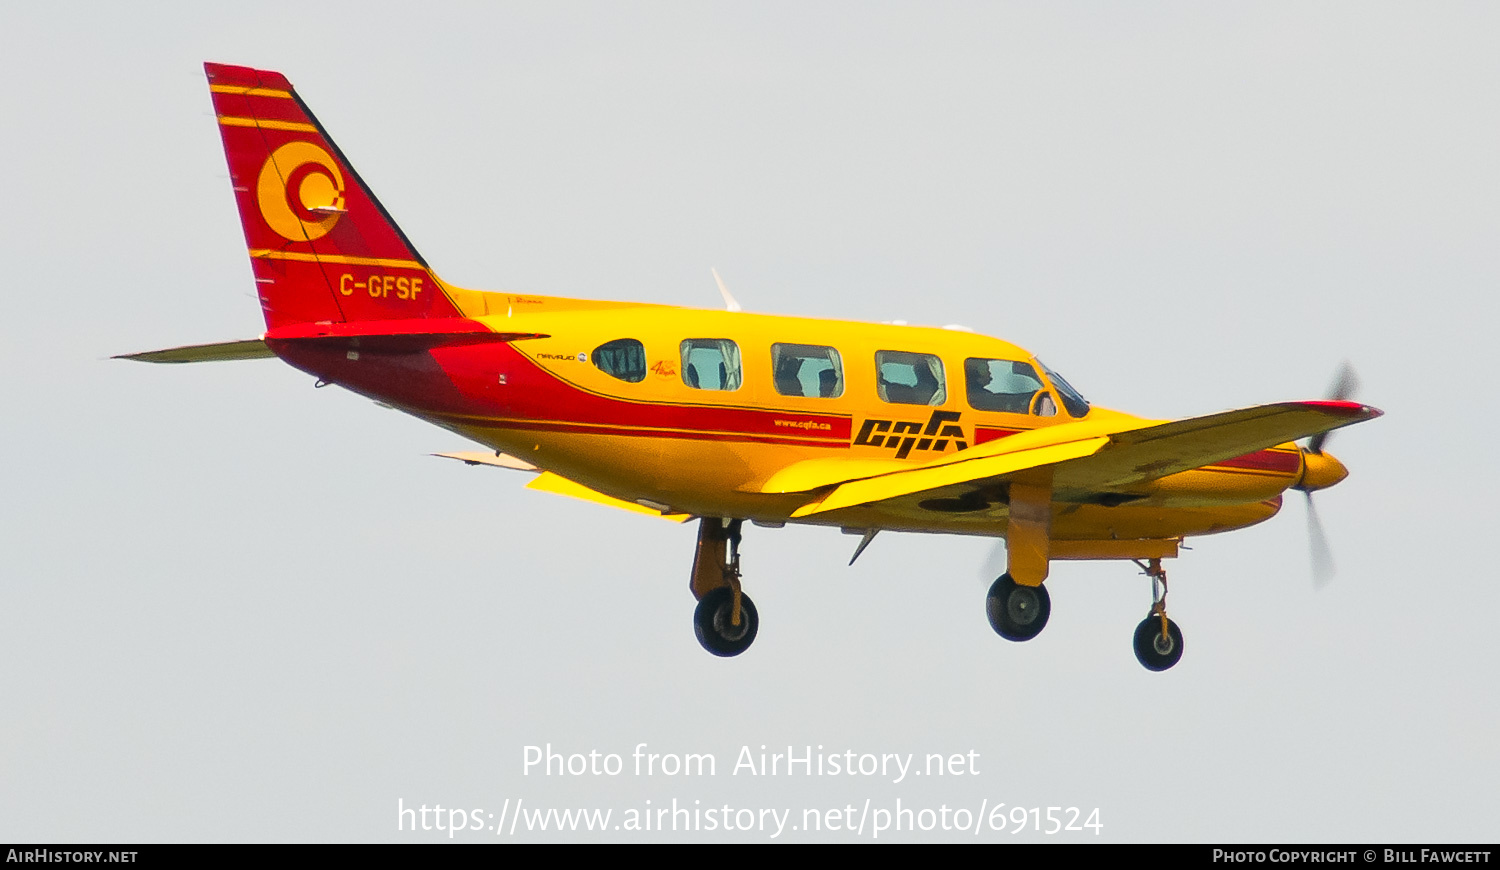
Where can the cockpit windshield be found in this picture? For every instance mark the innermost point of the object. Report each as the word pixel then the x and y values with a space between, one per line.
pixel 1074 401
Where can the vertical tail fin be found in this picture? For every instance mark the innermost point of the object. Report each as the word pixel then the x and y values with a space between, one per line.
pixel 322 247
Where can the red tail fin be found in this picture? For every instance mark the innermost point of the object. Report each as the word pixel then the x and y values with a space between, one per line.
pixel 321 245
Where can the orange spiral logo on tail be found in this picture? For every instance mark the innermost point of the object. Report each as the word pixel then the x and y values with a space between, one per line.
pixel 300 191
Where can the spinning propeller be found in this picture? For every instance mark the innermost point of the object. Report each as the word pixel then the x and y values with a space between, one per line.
pixel 1320 472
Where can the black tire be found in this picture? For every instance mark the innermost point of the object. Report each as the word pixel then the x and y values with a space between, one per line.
pixel 1157 653
pixel 711 622
pixel 1017 612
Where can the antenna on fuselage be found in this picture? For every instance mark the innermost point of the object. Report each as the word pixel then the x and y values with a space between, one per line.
pixel 729 301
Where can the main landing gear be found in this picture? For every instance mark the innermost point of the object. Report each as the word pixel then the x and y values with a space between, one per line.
pixel 725 620
pixel 1158 640
pixel 1017 612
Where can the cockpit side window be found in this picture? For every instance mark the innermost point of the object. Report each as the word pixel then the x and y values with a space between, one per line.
pixel 1074 401
pixel 910 378
pixel 623 358
pixel 1000 385
pixel 711 364
pixel 807 370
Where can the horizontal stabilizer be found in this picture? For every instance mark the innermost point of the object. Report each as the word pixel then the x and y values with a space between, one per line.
pixel 253 348
pixel 390 336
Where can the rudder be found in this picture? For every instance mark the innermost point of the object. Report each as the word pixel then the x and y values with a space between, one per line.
pixel 322 247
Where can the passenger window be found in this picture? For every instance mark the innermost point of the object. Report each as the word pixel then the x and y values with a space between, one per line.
pixel 623 358
pixel 909 378
pixel 807 370
pixel 711 364
pixel 1001 385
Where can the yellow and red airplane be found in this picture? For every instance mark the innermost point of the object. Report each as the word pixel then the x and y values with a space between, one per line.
pixel 726 416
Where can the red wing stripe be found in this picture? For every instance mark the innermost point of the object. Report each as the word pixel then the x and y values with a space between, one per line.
pixel 1343 409
pixel 1264 460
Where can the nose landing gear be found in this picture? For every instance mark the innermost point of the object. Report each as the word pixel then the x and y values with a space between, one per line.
pixel 1158 640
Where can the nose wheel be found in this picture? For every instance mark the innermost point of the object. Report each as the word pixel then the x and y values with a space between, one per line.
pixel 1158 643
pixel 1158 640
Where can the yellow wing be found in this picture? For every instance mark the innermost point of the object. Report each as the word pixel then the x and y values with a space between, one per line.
pixel 546 481
pixel 559 485
pixel 1090 458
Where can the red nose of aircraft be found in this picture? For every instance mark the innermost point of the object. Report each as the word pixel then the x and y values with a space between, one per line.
pixel 1319 471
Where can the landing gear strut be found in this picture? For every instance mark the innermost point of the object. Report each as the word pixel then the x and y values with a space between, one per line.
pixel 725 621
pixel 1158 640
pixel 1018 604
pixel 1017 612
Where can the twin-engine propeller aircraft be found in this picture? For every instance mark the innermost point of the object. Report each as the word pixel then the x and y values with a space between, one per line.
pixel 724 416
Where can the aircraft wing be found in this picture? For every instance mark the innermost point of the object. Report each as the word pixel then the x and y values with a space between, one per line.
pixel 1141 455
pixel 559 485
pixel 1090 458
pixel 546 481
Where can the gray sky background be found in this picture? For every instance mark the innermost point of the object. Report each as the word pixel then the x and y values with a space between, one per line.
pixel 236 608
